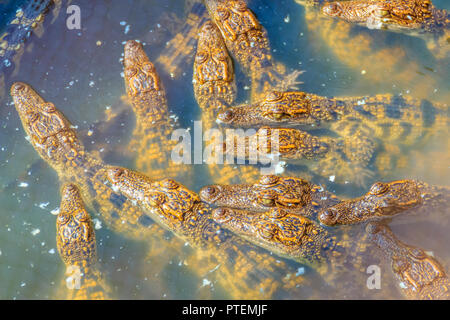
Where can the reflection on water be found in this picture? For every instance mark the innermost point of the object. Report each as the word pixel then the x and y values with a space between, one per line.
pixel 80 72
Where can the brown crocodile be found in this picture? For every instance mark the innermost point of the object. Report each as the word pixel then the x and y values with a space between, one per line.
pixel 75 239
pixel 215 90
pixel 151 140
pixel 412 16
pixel 180 210
pixel 419 274
pixel 54 138
pixel 248 42
pixel 294 195
pixel 385 200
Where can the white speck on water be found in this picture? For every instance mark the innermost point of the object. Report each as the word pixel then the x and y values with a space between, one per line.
pixel 55 211
pixel 23 284
pixel 35 232
pixel 206 282
pixel 300 271
pixel 91 83
pixel 0 253
pixel 51 251
pixel 430 253
pixel 361 102
pixel 127 29
pixel 43 205
pixel 331 178
pixel 363 72
pixel 122 23
pixel 97 224
pixel 287 19
pixel 23 185
pixel 402 285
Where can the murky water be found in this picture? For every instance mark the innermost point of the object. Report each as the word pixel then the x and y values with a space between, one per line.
pixel 80 72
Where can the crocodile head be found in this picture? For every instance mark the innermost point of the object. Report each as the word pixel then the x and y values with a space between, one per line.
pixel 394 14
pixel 277 230
pixel 213 75
pixel 142 82
pixel 166 201
pixel 382 200
pixel 417 271
pixel 283 107
pixel 268 192
pixel 49 131
pixel 75 234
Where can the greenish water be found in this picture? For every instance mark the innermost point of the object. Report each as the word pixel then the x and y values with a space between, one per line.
pixel 83 79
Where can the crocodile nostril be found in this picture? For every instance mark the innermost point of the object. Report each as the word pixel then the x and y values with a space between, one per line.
pixel 18 86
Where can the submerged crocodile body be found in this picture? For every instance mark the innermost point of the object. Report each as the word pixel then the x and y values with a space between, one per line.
pixel 418 273
pixel 364 124
pixel 409 16
pixel 78 249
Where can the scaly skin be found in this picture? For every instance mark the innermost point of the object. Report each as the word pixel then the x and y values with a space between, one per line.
pixel 400 121
pixel 75 239
pixel 362 50
pixel 293 195
pixel 151 140
pixel 385 200
pixel 247 41
pixel 244 270
pixel 419 275
pixel 180 50
pixel 215 90
pixel 410 16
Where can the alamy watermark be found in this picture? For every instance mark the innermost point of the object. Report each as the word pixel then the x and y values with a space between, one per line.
pixel 374 280
pixel 234 146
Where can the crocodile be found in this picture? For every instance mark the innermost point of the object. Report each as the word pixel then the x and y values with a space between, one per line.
pixel 419 275
pixel 151 140
pixel 364 124
pixel 417 17
pixel 75 239
pixel 181 211
pixel 385 200
pixel 365 51
pixel 215 90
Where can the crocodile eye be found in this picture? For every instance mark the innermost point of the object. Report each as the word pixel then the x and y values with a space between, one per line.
pixel 82 216
pixel 268 180
pixel 63 219
pixel 328 217
pixel 278 115
pixel 332 9
pixel 418 253
pixel 147 67
pixel 226 116
pixel 169 184
pixel 209 193
pixel 19 87
pixel 33 116
pixel 378 188
pixel 384 13
pixel 130 72
pixel 223 14
pixel 276 213
pixel 116 174
pixel 274 96
pixel 48 107
pixel 220 56
pixel 268 202
pixel 240 6
pixel 267 231
pixel 201 57
pixel 221 215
